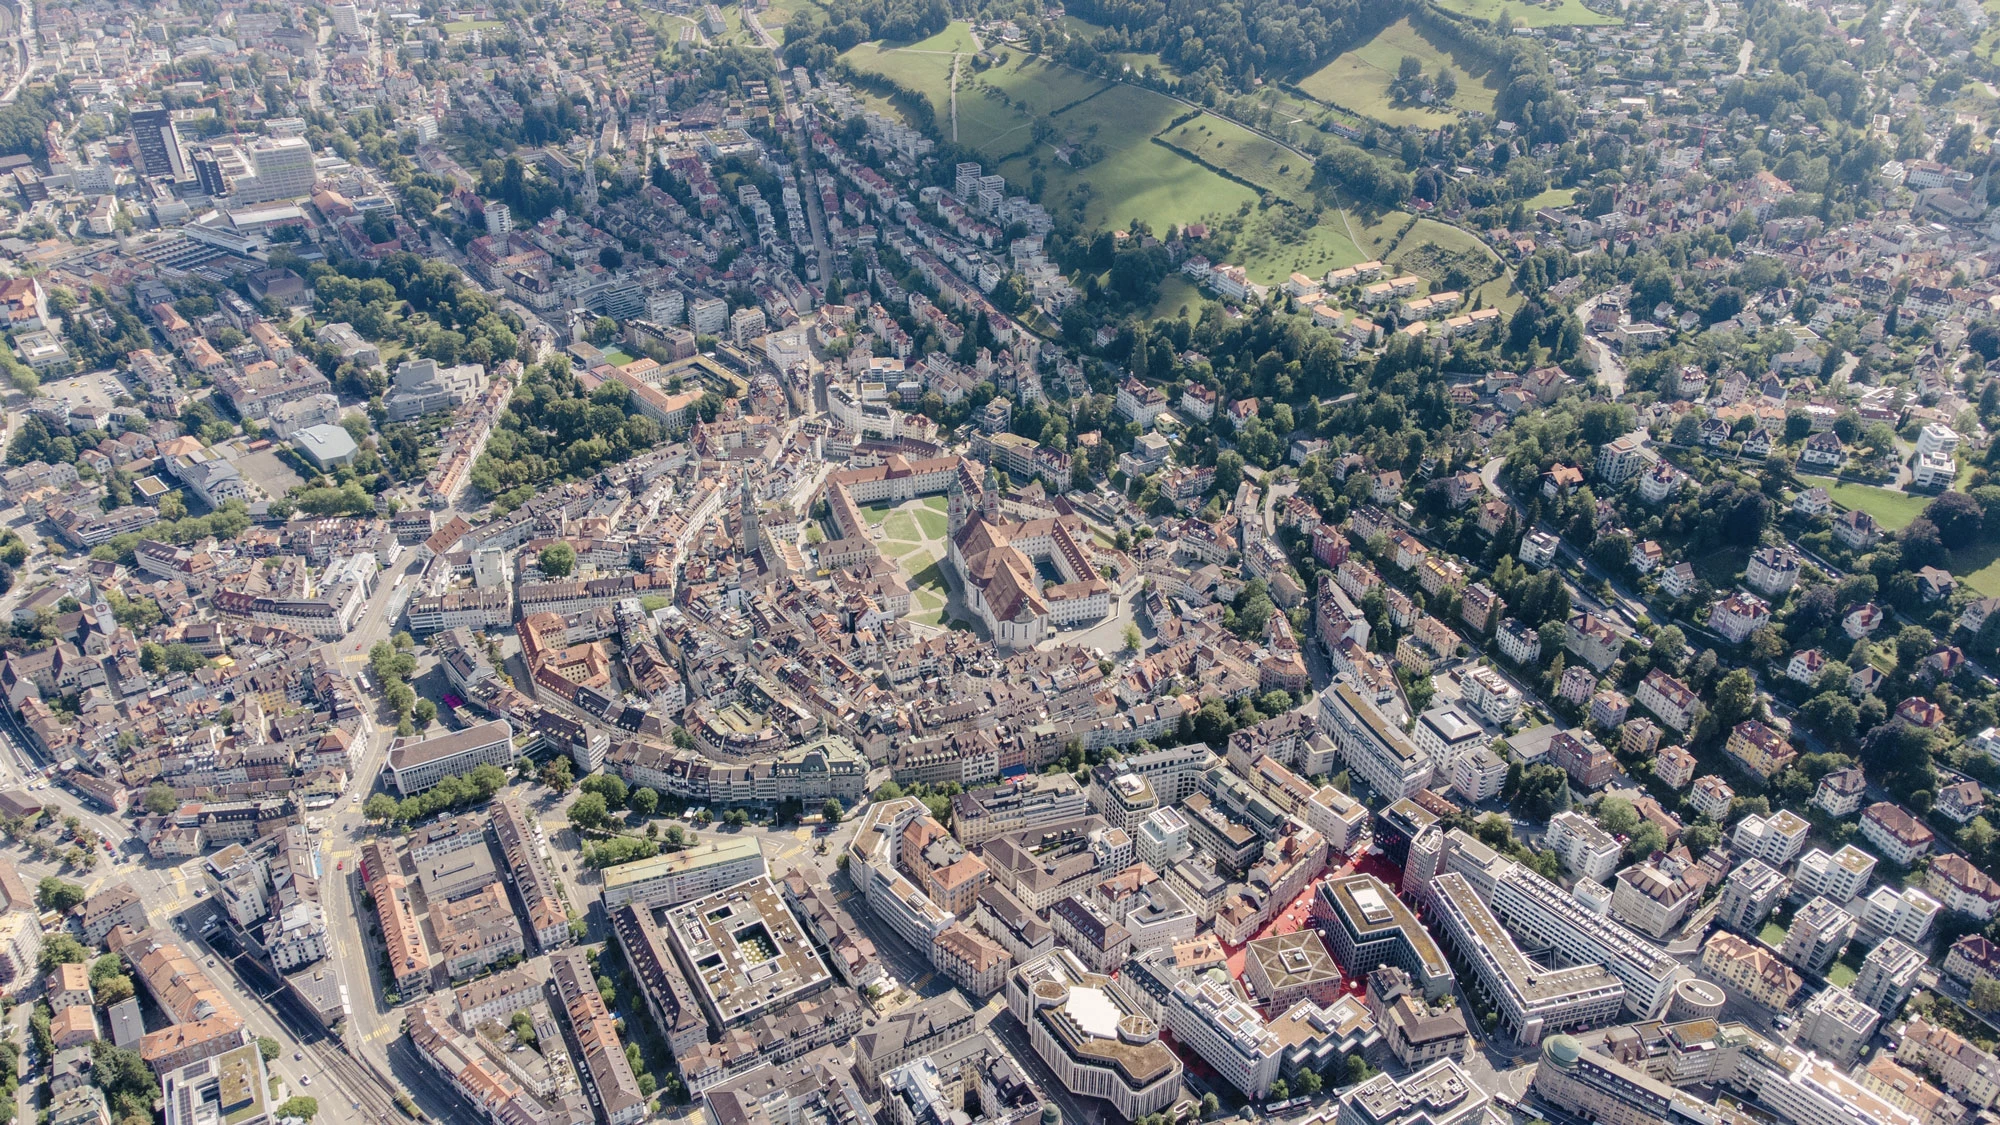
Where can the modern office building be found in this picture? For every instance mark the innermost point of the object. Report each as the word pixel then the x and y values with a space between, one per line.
pixel 1440 1094
pixel 418 764
pixel 665 880
pixel 1374 748
pixel 1532 1000
pixel 1211 1019
pixel 1367 926
pixel 1094 1035
pixel 1600 1089
pixel 1542 914
pixel 1283 969
pixel 158 143
pixel 744 953
pixel 284 170
pixel 1024 802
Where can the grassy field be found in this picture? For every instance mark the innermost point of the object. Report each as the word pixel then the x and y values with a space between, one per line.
pixel 1554 197
pixel 1263 162
pixel 1893 510
pixel 1177 293
pixel 778 13
pixel 1556 14
pixel 1359 79
pixel 1325 247
pixel 1772 935
pixel 461 27
pixel 998 107
pixel 1136 178
pixel 1840 976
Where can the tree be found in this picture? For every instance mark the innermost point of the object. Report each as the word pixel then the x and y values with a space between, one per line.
pixel 832 810
pixel 1544 791
pixel 589 812
pixel 558 560
pixel 1210 1106
pixel 160 799
pixel 1617 816
pixel 1646 840
pixel 889 791
pixel 558 774
pixel 302 1107
pixel 1834 715
pixel 644 801
pixel 1228 472
pixel 269 1048
pixel 54 894
pixel 423 713
pixel 61 949
pixel 1132 638
pixel 1958 519
pixel 609 786
pixel 1986 995
pixel 380 807
pixel 1735 697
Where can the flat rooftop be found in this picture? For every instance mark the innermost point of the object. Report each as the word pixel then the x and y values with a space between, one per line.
pixel 410 754
pixel 748 954
pixel 663 866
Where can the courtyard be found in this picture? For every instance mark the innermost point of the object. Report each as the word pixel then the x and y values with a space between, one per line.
pixel 913 533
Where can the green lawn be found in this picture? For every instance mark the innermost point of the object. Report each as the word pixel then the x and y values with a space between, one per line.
pixel 1893 510
pixel 617 357
pixel 1840 976
pixel 1527 14
pixel 998 108
pixel 461 27
pixel 932 524
pixel 1359 80
pixel 1263 162
pixel 929 593
pixel 901 525
pixel 1978 566
pixel 1772 935
pixel 1554 197
pixel 1177 293
pixel 876 513
pixel 1135 178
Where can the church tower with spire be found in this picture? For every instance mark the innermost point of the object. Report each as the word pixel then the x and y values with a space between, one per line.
pixel 748 500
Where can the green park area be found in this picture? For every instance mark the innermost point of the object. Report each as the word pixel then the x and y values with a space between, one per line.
pixel 1892 509
pixel 1547 13
pixel 1119 152
pixel 1361 80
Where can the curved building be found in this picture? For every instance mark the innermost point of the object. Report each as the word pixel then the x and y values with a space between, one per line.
pixel 1094 1035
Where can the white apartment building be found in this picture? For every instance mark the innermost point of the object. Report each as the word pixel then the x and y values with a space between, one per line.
pixel 1840 876
pixel 1775 839
pixel 1907 914
pixel 1584 848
